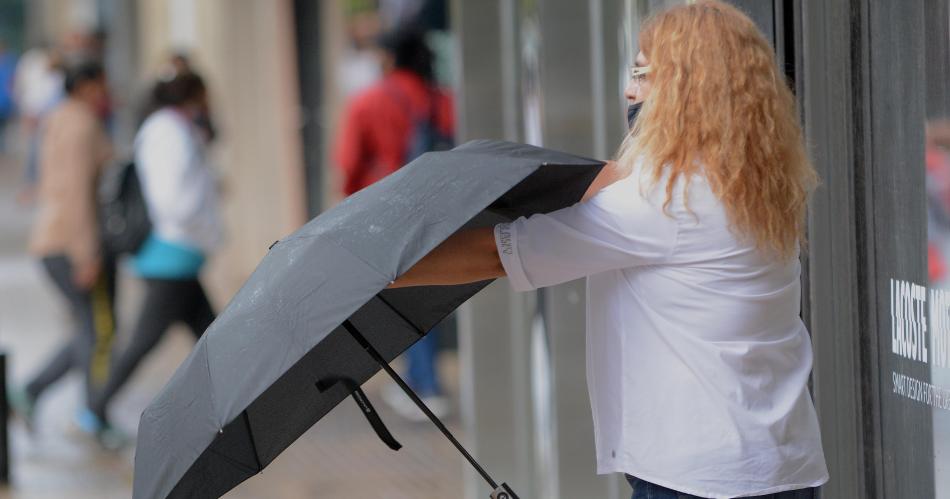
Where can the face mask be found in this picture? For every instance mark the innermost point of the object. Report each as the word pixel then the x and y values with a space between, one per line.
pixel 632 111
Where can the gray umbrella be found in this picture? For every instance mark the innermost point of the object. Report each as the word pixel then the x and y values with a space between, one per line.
pixel 314 321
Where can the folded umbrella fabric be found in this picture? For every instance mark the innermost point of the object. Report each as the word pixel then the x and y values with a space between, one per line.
pixel 287 349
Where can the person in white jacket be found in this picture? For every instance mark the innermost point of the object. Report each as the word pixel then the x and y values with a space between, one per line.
pixel 180 192
pixel 697 358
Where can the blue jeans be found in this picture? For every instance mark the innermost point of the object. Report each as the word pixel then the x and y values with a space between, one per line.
pixel 422 375
pixel 646 490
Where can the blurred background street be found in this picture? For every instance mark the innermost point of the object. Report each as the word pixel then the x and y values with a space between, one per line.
pixel 251 137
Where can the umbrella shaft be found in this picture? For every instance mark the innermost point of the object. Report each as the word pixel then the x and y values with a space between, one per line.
pixel 415 399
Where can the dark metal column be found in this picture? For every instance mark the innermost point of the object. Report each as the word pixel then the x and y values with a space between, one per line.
pixel 937 60
pixel 830 303
pixel 310 81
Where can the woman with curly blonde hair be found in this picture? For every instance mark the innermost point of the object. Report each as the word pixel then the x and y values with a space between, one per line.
pixel 718 102
pixel 697 358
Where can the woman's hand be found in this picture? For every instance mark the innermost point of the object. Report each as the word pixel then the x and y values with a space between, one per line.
pixel 467 256
pixel 85 274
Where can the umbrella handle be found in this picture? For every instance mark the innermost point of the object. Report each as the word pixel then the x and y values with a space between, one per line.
pixel 503 492
pixel 365 407
pixel 374 420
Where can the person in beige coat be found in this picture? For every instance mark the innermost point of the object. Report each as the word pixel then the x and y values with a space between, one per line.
pixel 65 237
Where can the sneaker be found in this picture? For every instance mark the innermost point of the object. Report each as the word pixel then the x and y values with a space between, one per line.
pixel 23 406
pixel 107 436
pixel 87 422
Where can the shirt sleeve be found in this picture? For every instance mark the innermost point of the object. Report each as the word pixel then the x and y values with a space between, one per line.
pixel 612 230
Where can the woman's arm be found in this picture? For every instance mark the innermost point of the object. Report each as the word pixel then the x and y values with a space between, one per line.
pixel 467 256
pixel 610 173
pixel 471 255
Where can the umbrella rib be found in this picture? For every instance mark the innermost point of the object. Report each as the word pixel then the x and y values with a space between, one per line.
pixel 400 314
pixel 250 434
pixel 234 462
pixel 416 400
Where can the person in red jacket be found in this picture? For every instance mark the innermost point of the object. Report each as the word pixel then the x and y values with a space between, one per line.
pixel 385 127
pixel 381 125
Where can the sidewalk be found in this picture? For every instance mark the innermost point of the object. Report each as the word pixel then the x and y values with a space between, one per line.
pixel 340 458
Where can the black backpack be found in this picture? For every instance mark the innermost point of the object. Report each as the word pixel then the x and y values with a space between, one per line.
pixel 123 215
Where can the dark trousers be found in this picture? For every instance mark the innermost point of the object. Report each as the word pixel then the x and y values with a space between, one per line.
pixel 646 490
pixel 90 346
pixel 166 302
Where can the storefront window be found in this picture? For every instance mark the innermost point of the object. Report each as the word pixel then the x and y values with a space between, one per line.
pixel 937 163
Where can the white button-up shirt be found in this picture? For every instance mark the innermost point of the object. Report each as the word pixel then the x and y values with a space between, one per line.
pixel 697 359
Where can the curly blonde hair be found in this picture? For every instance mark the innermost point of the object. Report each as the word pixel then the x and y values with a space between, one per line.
pixel 720 104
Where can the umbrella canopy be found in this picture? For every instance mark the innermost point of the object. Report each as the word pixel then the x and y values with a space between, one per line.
pixel 292 343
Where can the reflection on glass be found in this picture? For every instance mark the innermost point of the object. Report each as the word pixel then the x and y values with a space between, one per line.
pixel 937 160
pixel 529 32
pixel 531 72
pixel 937 164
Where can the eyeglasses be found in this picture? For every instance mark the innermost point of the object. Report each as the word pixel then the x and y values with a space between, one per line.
pixel 639 74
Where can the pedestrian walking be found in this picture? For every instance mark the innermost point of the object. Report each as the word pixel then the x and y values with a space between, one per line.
pixel 384 127
pixel 396 119
pixel 180 192
pixel 65 236
pixel 37 88
pixel 697 359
